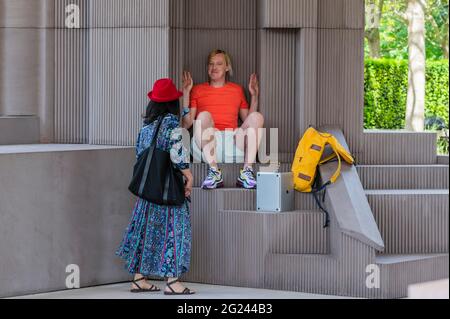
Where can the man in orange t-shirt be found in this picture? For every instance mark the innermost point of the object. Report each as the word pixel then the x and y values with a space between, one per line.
pixel 216 106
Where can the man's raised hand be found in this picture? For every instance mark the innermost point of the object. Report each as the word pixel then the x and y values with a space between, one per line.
pixel 187 82
pixel 253 85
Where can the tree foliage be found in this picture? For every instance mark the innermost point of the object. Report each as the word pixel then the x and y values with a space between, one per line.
pixel 393 29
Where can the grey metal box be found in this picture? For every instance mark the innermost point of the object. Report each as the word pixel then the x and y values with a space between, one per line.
pixel 274 192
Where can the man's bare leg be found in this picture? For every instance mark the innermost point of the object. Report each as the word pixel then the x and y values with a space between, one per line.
pixel 204 136
pixel 250 129
pixel 208 145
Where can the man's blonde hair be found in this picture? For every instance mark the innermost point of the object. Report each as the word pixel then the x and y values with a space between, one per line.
pixel 227 59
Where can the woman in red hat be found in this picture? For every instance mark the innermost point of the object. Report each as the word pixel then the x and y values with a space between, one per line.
pixel 157 241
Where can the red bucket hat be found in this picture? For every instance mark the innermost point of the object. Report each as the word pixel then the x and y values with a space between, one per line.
pixel 164 91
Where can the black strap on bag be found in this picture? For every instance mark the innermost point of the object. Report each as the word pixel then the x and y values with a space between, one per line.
pixel 315 192
pixel 316 189
pixel 149 157
pixel 155 178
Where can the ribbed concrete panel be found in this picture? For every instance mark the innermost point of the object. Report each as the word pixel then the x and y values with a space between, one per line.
pixel 288 13
pixel 71 86
pixel 225 250
pixel 26 13
pixel 330 103
pixel 240 44
pixel 245 200
pixel 343 274
pixel 61 14
pixel 204 204
pixel 221 14
pixel 238 199
pixel 128 13
pixel 301 272
pixel 354 14
pixel 352 87
pixel 306 201
pixel 397 147
pixel 306 80
pixel 331 13
pixel 354 259
pixel 120 77
pixel 404 176
pixel 304 272
pixel 278 85
pixel 298 232
pixel 340 90
pixel 411 221
pixel 176 55
pixel 342 14
pixel 442 159
pixel 47 80
pixel 399 271
pixel 177 10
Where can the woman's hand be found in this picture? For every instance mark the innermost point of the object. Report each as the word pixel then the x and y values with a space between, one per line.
pixel 187 82
pixel 188 186
pixel 188 183
pixel 253 85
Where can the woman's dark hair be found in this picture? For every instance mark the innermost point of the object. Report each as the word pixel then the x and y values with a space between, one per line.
pixel 157 109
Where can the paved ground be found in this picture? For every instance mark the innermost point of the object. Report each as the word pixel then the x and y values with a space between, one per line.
pixel 120 291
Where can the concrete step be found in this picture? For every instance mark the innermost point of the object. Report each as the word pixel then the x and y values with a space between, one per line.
pixel 442 159
pixel 404 176
pixel 411 221
pixel 372 176
pixel 294 232
pixel 19 130
pixel 383 147
pixel 230 172
pixel 397 272
pixel 245 199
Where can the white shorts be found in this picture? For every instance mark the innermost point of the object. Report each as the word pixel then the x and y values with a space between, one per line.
pixel 226 149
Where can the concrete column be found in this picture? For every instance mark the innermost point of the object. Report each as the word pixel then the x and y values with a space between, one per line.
pixel 25 42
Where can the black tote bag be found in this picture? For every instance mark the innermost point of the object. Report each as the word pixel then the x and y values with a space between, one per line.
pixel 155 178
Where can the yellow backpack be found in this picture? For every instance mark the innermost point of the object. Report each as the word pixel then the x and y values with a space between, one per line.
pixel 309 156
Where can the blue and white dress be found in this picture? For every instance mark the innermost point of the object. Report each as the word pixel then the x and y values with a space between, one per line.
pixel 157 241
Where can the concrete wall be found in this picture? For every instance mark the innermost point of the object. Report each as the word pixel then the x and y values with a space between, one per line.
pixel 26 61
pixel 89 85
pixel 59 208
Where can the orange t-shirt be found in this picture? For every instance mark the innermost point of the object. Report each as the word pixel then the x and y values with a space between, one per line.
pixel 223 103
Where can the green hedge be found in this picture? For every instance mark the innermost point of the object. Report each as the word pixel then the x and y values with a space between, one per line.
pixel 386 87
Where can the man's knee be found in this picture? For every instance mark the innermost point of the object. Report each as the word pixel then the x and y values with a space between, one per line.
pixel 205 118
pixel 256 119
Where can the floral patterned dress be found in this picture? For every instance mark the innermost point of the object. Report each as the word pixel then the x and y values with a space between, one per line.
pixel 157 241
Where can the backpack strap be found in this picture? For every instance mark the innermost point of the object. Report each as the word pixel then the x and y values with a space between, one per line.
pixel 333 178
pixel 315 192
pixel 338 170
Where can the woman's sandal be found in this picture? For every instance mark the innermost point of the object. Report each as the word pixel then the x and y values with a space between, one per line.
pixel 186 291
pixel 152 288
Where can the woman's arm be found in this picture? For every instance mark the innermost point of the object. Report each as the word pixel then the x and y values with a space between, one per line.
pixel 187 119
pixel 189 182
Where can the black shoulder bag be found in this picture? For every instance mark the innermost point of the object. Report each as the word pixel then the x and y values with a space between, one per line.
pixel 155 178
